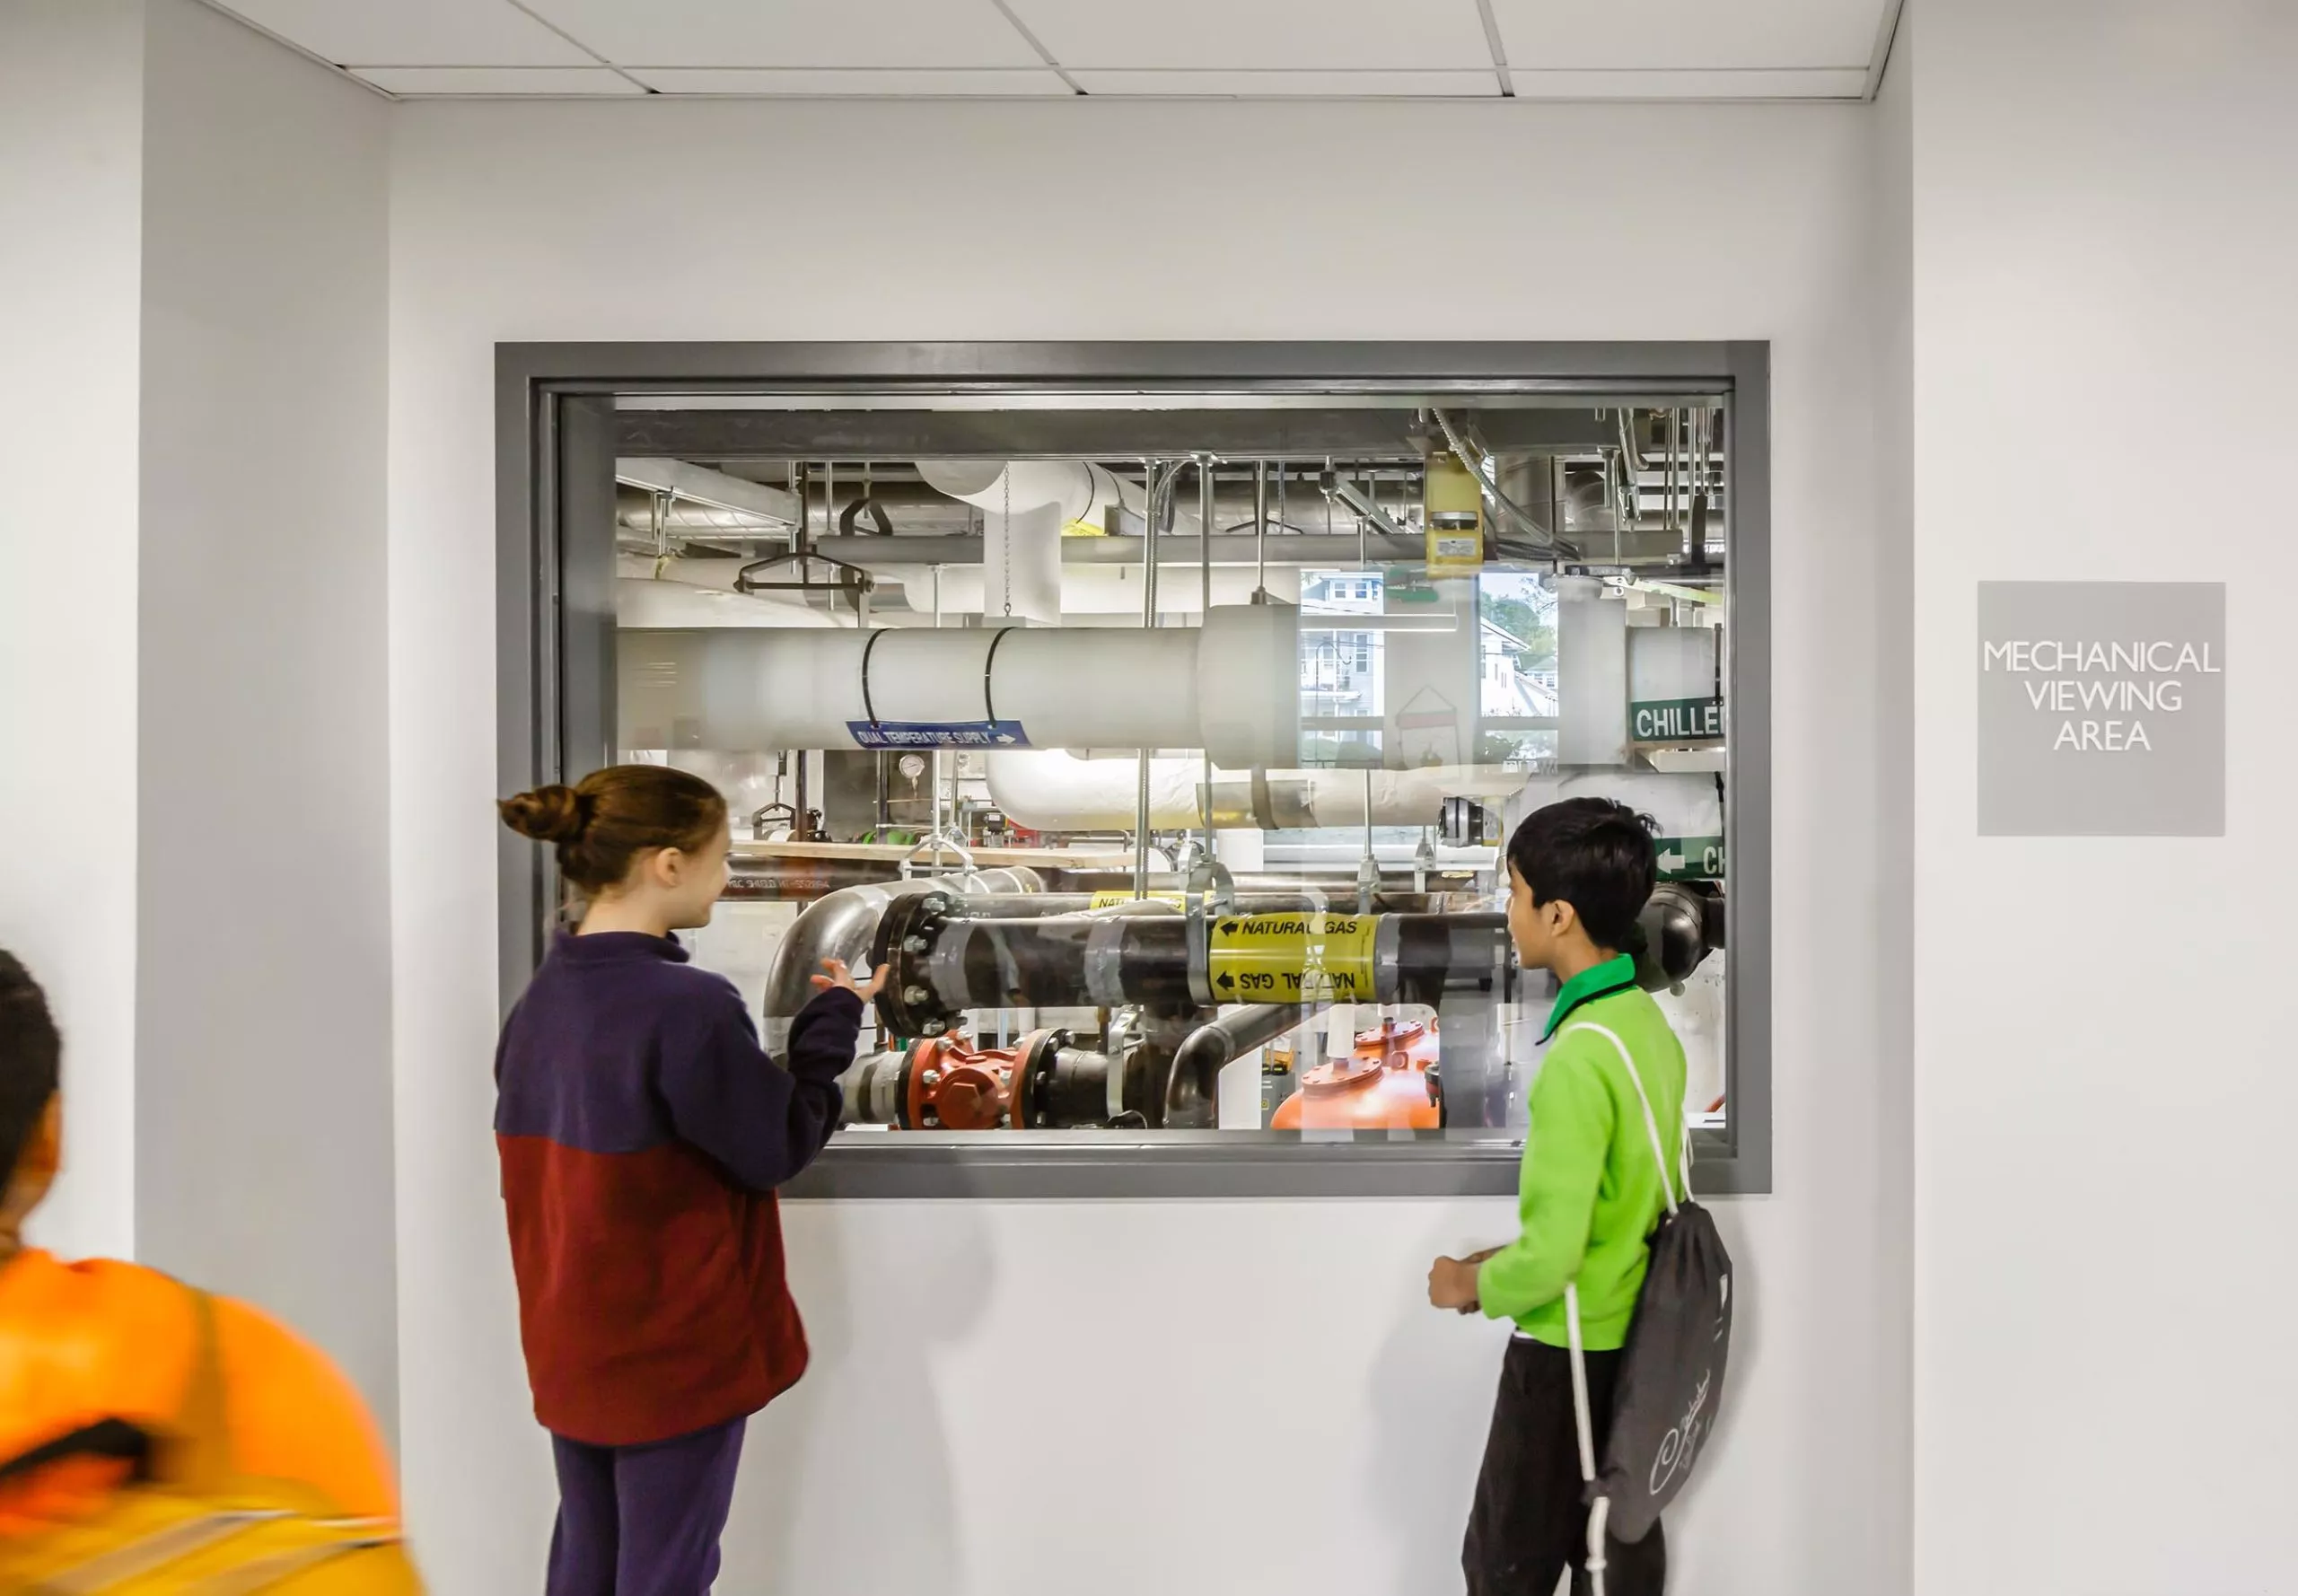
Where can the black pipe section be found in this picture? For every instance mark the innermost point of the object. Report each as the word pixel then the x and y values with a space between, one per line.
pixel 1192 1089
pixel 1063 1087
pixel 1682 923
pixel 947 957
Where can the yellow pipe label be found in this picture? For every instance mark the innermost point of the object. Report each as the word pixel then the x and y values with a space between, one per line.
pixel 1286 958
pixel 1111 899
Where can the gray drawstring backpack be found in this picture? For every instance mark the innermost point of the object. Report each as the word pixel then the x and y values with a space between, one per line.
pixel 1671 1381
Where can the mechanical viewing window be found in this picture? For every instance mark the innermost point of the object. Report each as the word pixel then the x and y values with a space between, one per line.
pixel 1157 713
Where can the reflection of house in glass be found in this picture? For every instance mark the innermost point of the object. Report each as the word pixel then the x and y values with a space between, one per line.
pixel 1510 689
pixel 1340 670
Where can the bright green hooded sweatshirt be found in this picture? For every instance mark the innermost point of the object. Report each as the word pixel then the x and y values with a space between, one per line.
pixel 1590 1194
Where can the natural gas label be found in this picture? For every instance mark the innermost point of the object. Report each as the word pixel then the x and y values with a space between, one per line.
pixel 2101 709
pixel 937 734
pixel 1111 899
pixel 1690 858
pixel 1676 720
pixel 1286 958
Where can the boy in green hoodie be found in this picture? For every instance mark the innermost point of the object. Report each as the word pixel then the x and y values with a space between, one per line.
pixel 1579 874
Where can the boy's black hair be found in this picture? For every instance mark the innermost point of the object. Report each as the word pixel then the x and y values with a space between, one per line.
pixel 31 1060
pixel 1594 853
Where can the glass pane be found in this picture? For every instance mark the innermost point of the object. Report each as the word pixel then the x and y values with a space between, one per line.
pixel 928 691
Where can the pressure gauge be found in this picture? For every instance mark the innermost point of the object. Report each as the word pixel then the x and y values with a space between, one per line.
pixel 913 766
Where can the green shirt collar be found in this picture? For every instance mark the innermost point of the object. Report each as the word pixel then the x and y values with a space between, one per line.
pixel 1614 974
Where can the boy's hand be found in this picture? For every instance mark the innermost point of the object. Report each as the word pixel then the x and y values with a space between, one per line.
pixel 841 979
pixel 1451 1283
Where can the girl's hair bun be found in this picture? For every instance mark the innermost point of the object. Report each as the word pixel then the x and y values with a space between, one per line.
pixel 617 813
pixel 547 814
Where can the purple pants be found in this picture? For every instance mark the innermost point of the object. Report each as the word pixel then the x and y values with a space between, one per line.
pixel 641 1521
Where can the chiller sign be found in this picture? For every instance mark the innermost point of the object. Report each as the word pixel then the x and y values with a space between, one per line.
pixel 1676 720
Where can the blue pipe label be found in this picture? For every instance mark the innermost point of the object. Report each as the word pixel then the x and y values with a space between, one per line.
pixel 937 734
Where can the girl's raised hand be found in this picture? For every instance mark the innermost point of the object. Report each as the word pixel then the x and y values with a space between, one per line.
pixel 842 978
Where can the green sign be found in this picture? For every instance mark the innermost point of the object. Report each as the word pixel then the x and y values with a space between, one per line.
pixel 1676 720
pixel 1407 584
pixel 1690 858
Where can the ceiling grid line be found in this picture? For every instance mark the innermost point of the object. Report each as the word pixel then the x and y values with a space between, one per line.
pixel 1266 51
pixel 309 54
pixel 1498 48
pixel 1887 36
pixel 520 5
pixel 1037 44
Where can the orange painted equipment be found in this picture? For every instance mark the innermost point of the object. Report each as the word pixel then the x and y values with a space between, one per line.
pixel 81 1342
pixel 950 1085
pixel 1382 1085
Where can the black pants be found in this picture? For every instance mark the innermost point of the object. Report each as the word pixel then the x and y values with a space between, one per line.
pixel 1530 1522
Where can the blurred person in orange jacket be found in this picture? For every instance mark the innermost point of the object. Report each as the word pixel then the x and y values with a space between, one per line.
pixel 85 1342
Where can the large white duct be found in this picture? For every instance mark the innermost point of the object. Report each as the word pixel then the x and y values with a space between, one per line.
pixel 1050 790
pixel 1026 506
pixel 1228 686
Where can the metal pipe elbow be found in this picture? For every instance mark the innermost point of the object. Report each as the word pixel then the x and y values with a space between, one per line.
pixel 842 926
pixel 1193 1087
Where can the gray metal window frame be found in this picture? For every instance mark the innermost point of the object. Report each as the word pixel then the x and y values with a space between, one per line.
pixel 555 444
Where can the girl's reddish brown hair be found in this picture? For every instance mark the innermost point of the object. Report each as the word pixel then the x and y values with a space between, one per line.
pixel 606 820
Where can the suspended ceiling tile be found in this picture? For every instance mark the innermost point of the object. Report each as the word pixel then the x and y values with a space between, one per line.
pixel 854 81
pixel 922 33
pixel 1549 34
pixel 1217 35
pixel 413 32
pixel 1834 83
pixel 1258 86
pixel 497 80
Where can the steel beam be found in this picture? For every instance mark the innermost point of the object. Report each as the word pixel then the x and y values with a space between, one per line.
pixel 1269 434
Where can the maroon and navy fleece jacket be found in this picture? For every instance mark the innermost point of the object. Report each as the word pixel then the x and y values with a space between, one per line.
pixel 642 1131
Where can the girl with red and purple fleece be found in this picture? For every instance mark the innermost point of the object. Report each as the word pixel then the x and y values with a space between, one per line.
pixel 642 1131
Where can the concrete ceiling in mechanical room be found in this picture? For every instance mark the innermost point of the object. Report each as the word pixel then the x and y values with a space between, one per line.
pixel 1527 50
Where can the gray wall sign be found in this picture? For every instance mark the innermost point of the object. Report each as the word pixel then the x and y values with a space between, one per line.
pixel 2101 709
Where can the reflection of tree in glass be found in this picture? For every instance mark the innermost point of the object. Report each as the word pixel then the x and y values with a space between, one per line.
pixel 1536 631
pixel 1526 610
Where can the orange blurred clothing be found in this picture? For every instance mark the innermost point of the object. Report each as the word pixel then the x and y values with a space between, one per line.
pixel 96 1341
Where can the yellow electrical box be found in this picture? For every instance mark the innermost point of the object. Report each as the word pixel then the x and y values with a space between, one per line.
pixel 1455 517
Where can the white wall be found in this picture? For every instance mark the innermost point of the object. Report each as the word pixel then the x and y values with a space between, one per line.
pixel 1146 1398
pixel 71 187
pixel 2104 229
pixel 263 1097
pixel 1892 285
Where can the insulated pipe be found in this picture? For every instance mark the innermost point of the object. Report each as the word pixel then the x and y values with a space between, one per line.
pixel 1086 589
pixel 676 600
pixel 842 925
pixel 1051 789
pixel 1227 687
pixel 1084 492
pixel 1682 803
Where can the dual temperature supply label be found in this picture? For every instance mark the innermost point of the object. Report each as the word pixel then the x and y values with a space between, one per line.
pixel 878 734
